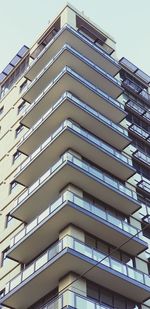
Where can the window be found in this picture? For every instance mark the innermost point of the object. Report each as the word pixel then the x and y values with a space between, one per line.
pixel 146 229
pixel 16 155
pixel 2 293
pixel 13 185
pixel 9 220
pixel 142 170
pixel 4 256
pixel 107 249
pixel 23 86
pixel 19 129
pixel 19 70
pixel 134 119
pixel 21 107
pixel 1 110
pixel 109 298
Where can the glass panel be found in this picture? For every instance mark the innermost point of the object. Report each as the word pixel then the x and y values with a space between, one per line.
pixel 41 261
pixel 83 249
pixel 28 272
pixel 132 273
pixel 83 303
pixel 98 256
pixel 118 266
pixel 34 186
pixel 43 215
pixel 54 250
pixel 45 176
pixel 14 282
pixel 147 280
pixel 19 235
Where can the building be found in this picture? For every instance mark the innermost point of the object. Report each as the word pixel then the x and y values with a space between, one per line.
pixel 74 173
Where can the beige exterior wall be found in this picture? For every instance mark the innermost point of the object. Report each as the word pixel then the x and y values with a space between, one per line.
pixel 9 122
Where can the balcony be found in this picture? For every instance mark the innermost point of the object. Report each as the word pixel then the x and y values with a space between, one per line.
pixel 138 109
pixel 68 56
pixel 70 36
pixel 70 254
pixel 135 70
pixel 146 116
pixel 137 90
pixel 70 169
pixel 140 132
pixel 142 157
pixel 69 207
pixel 68 106
pixel 135 107
pixel 72 300
pixel 144 186
pixel 69 135
pixel 70 80
pixel 131 86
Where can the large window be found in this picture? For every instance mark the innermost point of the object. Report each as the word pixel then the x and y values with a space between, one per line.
pixel 93 35
pixel 13 77
pixel 19 129
pixel 4 257
pixel 46 38
pixel 13 186
pixel 142 170
pixel 109 298
pixel 134 119
pixel 108 249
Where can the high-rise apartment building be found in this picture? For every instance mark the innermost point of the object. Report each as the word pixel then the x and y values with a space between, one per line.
pixel 75 182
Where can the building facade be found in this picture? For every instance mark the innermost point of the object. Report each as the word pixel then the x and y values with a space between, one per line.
pixel 75 181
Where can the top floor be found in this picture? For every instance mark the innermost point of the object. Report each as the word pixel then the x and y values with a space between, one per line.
pixel 73 18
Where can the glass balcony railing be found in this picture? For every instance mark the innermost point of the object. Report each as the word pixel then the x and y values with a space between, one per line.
pixel 85 167
pixel 86 251
pixel 74 300
pixel 99 211
pixel 137 89
pixel 99 49
pixel 139 131
pixel 142 156
pixel 78 55
pixel 145 95
pixel 144 185
pixel 129 83
pixel 80 104
pixel 139 109
pixel 136 107
pixel 146 115
pixel 83 81
pixel 84 134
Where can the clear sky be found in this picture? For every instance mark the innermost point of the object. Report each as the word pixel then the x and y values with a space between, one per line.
pixel 128 21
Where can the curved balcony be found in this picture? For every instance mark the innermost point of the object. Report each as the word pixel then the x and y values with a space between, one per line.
pixel 82 65
pixel 70 36
pixel 71 169
pixel 69 80
pixel 70 254
pixel 71 136
pixel 69 207
pixel 68 106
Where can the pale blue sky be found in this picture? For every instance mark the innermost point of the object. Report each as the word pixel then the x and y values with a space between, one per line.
pixel 128 21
